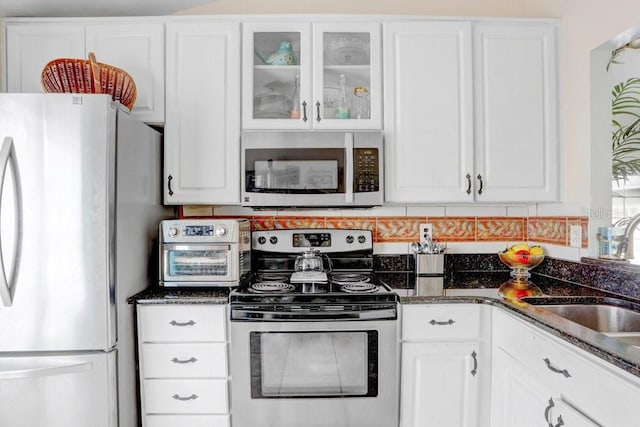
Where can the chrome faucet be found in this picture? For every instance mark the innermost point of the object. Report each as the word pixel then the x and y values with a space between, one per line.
pixel 625 245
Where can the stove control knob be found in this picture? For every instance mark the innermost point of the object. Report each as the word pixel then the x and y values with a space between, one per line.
pixel 273 240
pixel 173 231
pixel 221 231
pixel 362 239
pixel 349 239
pixel 262 240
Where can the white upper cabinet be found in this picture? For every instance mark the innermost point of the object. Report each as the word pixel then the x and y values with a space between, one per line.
pixel 202 130
pixel 29 47
pixel 311 76
pixel 135 47
pixel 471 111
pixel 428 111
pixel 516 111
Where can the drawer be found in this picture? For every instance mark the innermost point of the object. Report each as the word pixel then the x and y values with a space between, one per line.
pixel 187 360
pixel 187 421
pixel 188 396
pixel 182 323
pixel 443 321
pixel 586 381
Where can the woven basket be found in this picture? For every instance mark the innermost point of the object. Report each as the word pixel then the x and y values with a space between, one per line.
pixel 69 75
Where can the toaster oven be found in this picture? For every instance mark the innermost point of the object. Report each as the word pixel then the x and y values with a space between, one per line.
pixel 204 252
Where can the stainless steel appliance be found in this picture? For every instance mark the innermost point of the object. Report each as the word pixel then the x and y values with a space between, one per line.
pixel 315 353
pixel 204 252
pixel 79 209
pixel 300 169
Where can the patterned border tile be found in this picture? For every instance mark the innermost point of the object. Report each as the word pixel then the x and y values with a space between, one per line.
pixel 548 229
pixel 404 229
pixel 500 228
pixel 454 229
pixel 398 229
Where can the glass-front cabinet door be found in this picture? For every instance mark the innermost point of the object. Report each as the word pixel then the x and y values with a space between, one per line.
pixel 347 76
pixel 306 76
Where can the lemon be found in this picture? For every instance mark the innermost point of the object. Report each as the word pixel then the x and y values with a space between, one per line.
pixel 536 250
pixel 519 247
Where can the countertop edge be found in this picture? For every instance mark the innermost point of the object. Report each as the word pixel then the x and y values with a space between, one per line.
pixel 615 352
pixel 610 350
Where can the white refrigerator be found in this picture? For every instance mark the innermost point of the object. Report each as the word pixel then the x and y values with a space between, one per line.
pixel 80 201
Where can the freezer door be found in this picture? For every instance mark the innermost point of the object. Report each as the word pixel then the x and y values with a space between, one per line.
pixel 56 222
pixel 57 391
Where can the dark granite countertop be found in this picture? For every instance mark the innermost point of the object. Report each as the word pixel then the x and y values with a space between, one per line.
pixel 483 290
pixel 161 295
pixel 470 288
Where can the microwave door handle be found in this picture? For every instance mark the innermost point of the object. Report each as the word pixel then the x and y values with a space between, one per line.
pixel 348 179
pixel 8 155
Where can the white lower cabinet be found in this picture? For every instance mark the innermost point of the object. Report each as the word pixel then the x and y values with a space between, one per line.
pixel 538 379
pixel 184 374
pixel 445 365
pixel 525 401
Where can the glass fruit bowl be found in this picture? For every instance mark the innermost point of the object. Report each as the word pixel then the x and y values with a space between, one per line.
pixel 520 258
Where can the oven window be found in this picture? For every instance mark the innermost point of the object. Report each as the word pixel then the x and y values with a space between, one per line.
pixel 198 263
pixel 314 364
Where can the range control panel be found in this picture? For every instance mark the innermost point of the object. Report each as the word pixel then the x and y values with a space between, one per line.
pixel 323 239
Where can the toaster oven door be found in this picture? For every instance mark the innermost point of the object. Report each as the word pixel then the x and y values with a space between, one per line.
pixel 198 265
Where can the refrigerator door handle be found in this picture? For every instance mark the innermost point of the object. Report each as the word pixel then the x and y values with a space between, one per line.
pixel 8 156
pixel 36 371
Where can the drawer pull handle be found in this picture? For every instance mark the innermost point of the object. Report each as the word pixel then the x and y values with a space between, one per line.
pixel 189 323
pixel 556 370
pixel 176 360
pixel 474 356
pixel 448 322
pixel 468 183
pixel 547 410
pixel 178 397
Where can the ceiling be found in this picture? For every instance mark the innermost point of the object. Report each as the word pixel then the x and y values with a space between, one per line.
pixel 45 8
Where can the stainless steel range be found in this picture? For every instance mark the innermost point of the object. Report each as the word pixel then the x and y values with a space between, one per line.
pixel 314 335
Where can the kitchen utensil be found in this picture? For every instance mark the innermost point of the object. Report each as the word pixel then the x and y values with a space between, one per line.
pixel 310 260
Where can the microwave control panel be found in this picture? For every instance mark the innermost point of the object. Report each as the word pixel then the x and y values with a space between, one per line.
pixel 366 170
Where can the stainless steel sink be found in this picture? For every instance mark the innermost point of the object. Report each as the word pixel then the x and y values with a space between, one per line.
pixel 599 317
pixel 628 338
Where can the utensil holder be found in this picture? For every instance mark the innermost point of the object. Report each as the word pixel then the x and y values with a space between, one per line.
pixel 429 274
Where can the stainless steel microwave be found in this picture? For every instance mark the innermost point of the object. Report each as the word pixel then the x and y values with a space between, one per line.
pixel 312 169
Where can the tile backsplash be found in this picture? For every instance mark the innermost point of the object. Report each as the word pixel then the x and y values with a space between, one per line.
pixel 404 229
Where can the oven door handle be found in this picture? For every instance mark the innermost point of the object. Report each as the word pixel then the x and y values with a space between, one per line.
pixel 240 314
pixel 348 162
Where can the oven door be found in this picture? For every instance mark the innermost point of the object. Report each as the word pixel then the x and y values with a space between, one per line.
pixel 198 264
pixel 315 374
